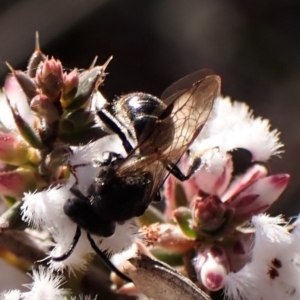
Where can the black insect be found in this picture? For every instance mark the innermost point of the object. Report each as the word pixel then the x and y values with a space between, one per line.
pixel 155 134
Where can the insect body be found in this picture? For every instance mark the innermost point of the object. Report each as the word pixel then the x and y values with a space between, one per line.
pixel 155 134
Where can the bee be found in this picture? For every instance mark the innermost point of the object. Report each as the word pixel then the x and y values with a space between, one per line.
pixel 155 134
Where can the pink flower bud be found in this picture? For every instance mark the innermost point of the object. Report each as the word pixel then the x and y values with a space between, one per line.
pixel 209 213
pixel 211 266
pixel 71 81
pixel 44 107
pixel 258 197
pixel 49 77
pixel 15 183
pixel 14 150
pixel 253 174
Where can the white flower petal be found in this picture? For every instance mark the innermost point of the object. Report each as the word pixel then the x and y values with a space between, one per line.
pixel 46 207
pixel 46 286
pixel 232 125
pixel 81 254
pixel 240 285
pixel 11 295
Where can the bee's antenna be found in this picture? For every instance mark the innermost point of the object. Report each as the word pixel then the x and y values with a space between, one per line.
pixel 71 248
pixel 105 259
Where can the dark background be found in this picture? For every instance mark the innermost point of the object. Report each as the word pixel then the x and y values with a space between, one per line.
pixel 254 45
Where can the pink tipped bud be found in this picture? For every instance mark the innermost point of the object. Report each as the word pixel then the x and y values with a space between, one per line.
pixel 13 149
pixel 211 266
pixel 71 82
pixel 49 77
pixel 252 175
pixel 44 107
pixel 258 197
pixel 209 213
pixel 15 183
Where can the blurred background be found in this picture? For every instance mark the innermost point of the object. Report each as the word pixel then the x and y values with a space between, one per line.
pixel 254 45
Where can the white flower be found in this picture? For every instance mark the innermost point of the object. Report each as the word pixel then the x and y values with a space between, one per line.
pixel 45 286
pixel 11 295
pixel 231 125
pixel 274 272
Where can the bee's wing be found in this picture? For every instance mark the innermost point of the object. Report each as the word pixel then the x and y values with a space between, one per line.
pixel 190 110
pixel 189 102
pixel 185 83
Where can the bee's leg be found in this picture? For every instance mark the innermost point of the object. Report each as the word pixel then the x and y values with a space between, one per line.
pixel 194 165
pixel 111 122
pixel 106 260
pixel 71 248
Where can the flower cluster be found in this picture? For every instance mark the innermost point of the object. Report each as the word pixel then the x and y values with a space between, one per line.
pixel 51 140
pixel 44 111
pixel 213 228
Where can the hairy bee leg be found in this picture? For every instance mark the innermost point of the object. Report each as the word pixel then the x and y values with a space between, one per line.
pixel 193 166
pixel 105 259
pixel 109 120
pixel 71 248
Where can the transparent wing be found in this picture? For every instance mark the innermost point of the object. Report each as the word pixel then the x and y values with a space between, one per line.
pixel 190 110
pixel 185 83
pixel 189 105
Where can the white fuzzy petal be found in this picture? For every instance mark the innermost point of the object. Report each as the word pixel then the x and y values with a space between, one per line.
pixel 11 295
pixel 46 207
pixel 81 254
pixel 240 284
pixel 45 286
pixel 233 126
